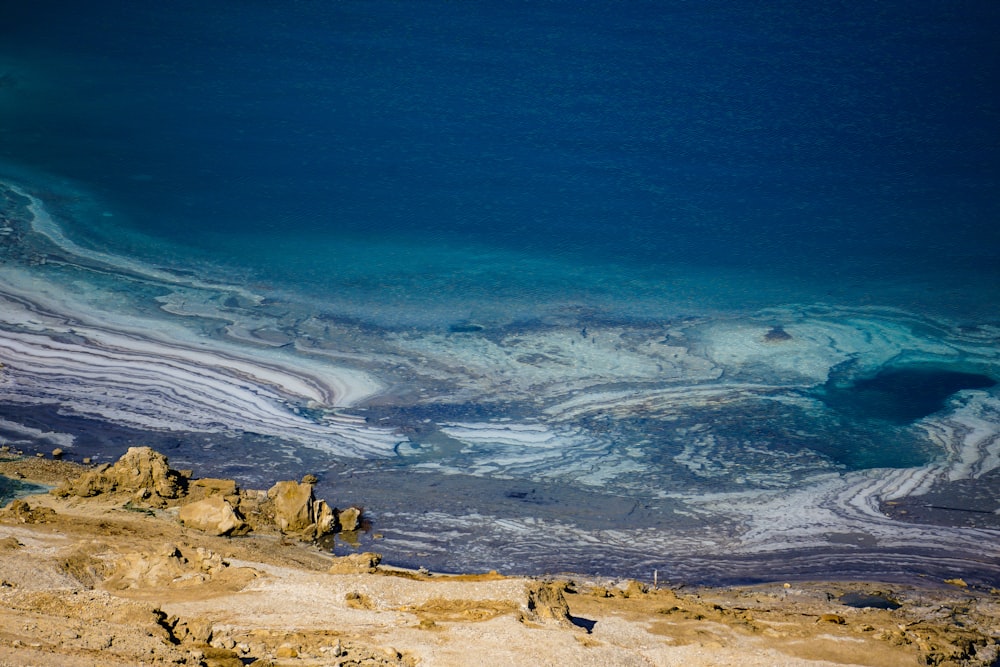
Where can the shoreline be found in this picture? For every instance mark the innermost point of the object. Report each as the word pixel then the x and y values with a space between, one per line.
pixel 538 528
pixel 170 594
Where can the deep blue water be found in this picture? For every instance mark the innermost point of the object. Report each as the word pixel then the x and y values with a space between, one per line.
pixel 840 144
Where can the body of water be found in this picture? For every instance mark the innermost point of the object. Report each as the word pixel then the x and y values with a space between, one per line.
pixel 546 286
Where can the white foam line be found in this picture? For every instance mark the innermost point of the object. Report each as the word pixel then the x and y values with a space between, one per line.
pixel 522 435
pixel 654 401
pixel 311 379
pixel 42 223
pixel 60 439
pixel 33 302
pixel 152 385
pixel 852 502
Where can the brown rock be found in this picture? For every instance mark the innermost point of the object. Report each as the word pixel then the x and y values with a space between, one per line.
pixel 324 518
pixel 21 512
pixel 287 651
pixel 836 619
pixel 292 503
pixel 357 600
pixel 82 564
pixel 139 570
pixel 210 486
pixel 547 604
pixel 635 589
pixel 57 453
pixel 349 519
pixel 213 515
pixel 200 631
pixel 170 567
pixel 363 563
pixel 140 472
pixel 9 544
pixel 220 657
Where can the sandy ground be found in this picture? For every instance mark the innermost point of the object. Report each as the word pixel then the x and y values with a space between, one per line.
pixel 99 581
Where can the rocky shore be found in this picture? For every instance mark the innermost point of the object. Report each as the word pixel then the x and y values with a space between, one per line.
pixel 139 564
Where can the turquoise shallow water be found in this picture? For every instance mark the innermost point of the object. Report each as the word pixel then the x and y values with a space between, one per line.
pixel 717 269
pixel 12 488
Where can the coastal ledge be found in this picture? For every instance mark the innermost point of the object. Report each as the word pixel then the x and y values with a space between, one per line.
pixel 104 570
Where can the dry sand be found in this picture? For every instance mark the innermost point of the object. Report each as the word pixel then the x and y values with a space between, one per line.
pixel 105 581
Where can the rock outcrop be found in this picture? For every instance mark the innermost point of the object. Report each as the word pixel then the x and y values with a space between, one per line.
pixel 363 563
pixel 217 506
pixel 349 519
pixel 547 604
pixel 170 567
pixel 210 486
pixel 21 512
pixel 213 515
pixel 294 510
pixel 142 474
pixel 292 504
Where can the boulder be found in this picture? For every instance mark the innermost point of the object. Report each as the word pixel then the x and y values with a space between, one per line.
pixel 213 515
pixel 324 517
pixel 287 651
pixel 349 519
pixel 141 473
pixel 292 505
pixel 547 604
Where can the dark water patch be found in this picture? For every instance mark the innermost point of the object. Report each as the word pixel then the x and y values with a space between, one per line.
pixel 465 327
pixel 417 421
pixel 876 600
pixel 901 395
pixel 389 492
pixel 884 565
pixel 772 444
pixel 861 445
pixel 777 334
pixel 966 503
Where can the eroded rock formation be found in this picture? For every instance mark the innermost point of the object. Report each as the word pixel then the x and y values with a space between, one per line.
pixel 143 478
pixel 141 473
pixel 213 515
